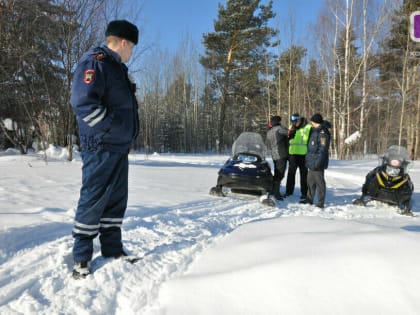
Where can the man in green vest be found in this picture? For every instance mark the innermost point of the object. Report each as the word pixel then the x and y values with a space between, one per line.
pixel 298 140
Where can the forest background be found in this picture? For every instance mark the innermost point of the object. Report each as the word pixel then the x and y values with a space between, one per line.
pixel 362 74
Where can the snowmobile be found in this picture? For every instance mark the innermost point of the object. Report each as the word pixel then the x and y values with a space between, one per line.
pixel 389 182
pixel 246 171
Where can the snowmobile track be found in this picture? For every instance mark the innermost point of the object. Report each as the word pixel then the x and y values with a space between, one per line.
pixel 167 241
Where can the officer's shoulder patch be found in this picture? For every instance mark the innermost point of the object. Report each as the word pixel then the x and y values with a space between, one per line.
pixel 89 76
pixel 99 56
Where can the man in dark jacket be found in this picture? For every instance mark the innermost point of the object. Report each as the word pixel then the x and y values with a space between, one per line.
pixel 103 99
pixel 317 159
pixel 277 142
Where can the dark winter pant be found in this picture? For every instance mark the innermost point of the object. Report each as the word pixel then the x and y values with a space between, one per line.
pixel 102 204
pixel 279 169
pixel 316 184
pixel 295 162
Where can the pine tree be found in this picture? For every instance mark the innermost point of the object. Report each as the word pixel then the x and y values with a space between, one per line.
pixel 399 73
pixel 291 74
pixel 30 78
pixel 315 88
pixel 236 53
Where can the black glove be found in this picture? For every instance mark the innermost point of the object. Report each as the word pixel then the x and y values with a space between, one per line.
pixel 291 133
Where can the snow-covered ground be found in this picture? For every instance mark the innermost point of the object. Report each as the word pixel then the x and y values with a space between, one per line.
pixel 202 254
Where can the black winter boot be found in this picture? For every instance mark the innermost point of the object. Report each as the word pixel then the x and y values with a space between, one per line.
pixel 276 191
pixel 81 270
pixel 360 201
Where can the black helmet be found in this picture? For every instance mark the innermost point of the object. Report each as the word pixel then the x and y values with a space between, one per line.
pixel 396 160
pixel 294 117
pixel 393 167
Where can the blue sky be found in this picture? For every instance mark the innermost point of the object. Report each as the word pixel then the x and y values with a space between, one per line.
pixel 168 22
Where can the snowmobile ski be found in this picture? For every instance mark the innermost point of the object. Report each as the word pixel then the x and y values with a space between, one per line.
pixel 215 191
pixel 408 213
pixel 402 210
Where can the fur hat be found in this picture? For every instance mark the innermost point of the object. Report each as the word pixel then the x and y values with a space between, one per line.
pixel 275 120
pixel 317 118
pixel 123 29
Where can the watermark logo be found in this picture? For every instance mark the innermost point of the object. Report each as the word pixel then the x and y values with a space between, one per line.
pixel 415 26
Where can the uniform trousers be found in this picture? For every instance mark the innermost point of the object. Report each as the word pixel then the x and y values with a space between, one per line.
pixel 102 204
pixel 316 184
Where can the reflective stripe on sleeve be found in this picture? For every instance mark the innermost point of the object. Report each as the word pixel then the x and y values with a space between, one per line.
pixel 96 116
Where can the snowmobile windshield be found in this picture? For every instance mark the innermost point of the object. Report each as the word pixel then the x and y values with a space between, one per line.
pixel 249 142
pixel 396 160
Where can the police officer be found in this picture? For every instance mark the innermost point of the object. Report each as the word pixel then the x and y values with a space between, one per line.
pixel 317 159
pixel 103 99
pixel 277 142
pixel 298 140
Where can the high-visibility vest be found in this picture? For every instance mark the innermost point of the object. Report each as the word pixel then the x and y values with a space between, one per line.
pixel 298 145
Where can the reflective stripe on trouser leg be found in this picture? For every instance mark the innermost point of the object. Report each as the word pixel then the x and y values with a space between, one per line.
pixel 100 170
pixel 112 218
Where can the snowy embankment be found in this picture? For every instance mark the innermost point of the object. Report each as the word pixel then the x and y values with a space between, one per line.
pixel 205 255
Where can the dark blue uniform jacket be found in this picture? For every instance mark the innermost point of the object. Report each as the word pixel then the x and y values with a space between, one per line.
pixel 318 144
pixel 104 102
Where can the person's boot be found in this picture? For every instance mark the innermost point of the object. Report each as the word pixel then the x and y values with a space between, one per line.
pixel 360 201
pixel 276 191
pixel 81 270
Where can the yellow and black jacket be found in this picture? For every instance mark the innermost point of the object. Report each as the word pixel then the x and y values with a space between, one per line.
pixel 390 189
